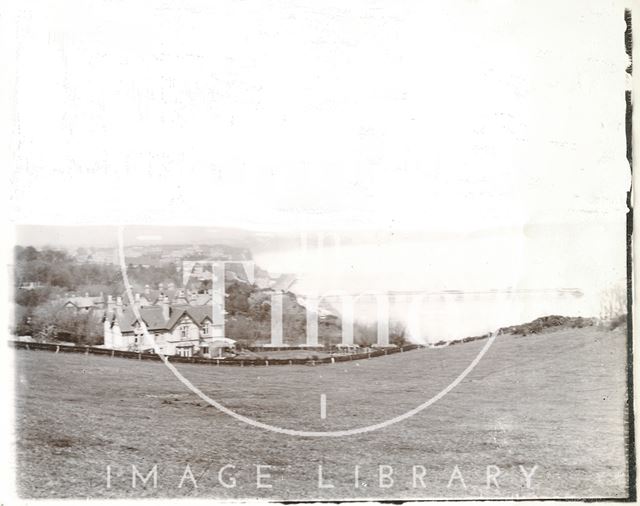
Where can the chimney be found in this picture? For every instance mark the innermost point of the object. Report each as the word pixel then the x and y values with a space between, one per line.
pixel 86 294
pixel 119 306
pixel 110 304
pixel 136 300
pixel 164 304
pixel 147 290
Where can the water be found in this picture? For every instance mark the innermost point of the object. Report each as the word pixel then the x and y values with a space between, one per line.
pixel 474 283
pixel 432 317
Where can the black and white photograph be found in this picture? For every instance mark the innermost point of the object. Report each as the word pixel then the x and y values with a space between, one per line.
pixel 292 251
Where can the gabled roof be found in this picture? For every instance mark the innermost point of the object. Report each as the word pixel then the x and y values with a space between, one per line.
pixel 83 302
pixel 200 313
pixel 176 314
pixel 154 320
pixel 151 315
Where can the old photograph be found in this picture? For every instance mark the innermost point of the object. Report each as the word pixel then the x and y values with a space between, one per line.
pixel 319 251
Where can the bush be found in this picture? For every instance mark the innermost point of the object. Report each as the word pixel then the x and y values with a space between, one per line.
pixel 619 321
pixel 53 322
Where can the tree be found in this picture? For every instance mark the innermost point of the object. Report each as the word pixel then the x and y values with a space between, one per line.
pixel 52 321
pixel 613 301
pixel 397 334
pixel 237 298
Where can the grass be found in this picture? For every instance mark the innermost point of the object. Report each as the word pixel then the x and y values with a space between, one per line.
pixel 283 354
pixel 555 400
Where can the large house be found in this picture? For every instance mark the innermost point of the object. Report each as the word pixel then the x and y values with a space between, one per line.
pixel 178 328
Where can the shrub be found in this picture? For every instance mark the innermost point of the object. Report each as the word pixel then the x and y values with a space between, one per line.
pixel 619 321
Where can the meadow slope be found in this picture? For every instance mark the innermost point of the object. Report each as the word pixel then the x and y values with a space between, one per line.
pixel 554 400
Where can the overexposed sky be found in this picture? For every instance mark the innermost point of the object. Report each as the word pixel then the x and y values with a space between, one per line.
pixel 274 114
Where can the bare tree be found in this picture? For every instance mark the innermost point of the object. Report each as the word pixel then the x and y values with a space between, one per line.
pixel 613 301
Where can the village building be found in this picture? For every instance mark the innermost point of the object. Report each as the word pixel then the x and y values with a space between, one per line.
pixel 177 327
pixel 84 304
pixel 151 297
pixel 31 285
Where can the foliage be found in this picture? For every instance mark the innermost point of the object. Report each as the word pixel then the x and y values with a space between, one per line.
pixel 618 321
pixel 546 322
pixel 397 334
pixel 37 296
pixel 51 321
pixel 153 274
pixel 237 298
pixel 55 268
pixel 366 334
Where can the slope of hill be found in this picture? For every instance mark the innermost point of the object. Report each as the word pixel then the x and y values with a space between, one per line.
pixel 554 403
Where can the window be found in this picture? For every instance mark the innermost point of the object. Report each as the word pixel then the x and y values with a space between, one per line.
pixel 185 351
pixel 204 349
pixel 184 331
pixel 205 328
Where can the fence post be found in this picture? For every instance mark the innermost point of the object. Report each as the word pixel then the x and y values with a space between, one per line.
pixel 57 348
pixel 112 353
pixel 139 356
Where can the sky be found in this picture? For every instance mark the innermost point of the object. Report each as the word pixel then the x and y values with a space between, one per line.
pixel 497 121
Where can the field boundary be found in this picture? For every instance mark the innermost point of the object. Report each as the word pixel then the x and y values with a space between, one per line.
pixel 92 350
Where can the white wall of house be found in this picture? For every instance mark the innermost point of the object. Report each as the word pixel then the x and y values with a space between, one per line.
pixel 185 332
pixel 108 336
pixel 117 339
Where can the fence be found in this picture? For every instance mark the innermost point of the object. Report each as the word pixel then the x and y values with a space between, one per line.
pixel 240 362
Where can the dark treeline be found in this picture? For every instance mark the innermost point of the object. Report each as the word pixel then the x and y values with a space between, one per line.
pixel 60 273
pixel 58 270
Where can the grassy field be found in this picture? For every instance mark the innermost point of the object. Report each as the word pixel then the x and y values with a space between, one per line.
pixel 555 401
